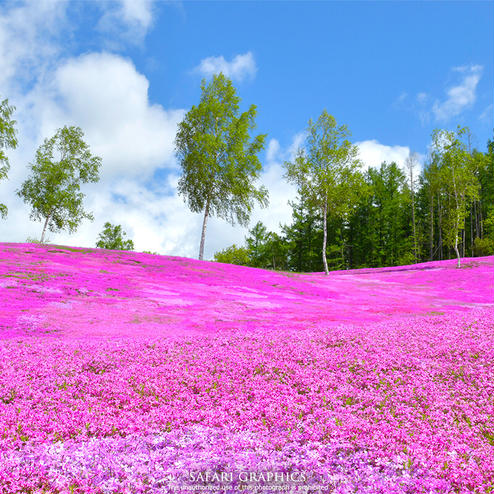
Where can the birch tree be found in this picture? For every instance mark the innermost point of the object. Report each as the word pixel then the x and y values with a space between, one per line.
pixel 458 183
pixel 219 161
pixel 62 164
pixel 327 171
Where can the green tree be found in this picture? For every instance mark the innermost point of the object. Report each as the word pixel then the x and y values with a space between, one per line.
pixel 62 164
pixel 256 244
pixel 327 172
pixel 233 255
pixel 387 222
pixel 219 161
pixel 275 252
pixel 458 182
pixel 302 236
pixel 7 140
pixel 266 249
pixel 482 216
pixel 487 194
pixel 112 237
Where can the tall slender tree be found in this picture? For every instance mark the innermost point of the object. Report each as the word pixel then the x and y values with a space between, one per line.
pixel 459 185
pixel 327 171
pixel 62 164
pixel 219 162
pixel 411 164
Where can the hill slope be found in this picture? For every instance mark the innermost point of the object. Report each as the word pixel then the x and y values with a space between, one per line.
pixel 131 373
pixel 92 292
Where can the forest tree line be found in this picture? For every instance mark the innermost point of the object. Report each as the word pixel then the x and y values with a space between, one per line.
pixel 399 219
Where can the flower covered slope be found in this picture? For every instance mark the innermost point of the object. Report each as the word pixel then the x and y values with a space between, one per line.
pixel 73 292
pixel 125 372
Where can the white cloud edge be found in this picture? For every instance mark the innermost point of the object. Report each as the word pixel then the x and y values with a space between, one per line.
pixel 459 97
pixel 241 67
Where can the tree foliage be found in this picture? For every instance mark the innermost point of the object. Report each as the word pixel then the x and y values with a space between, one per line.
pixel 219 161
pixel 303 238
pixel 113 237
pixel 233 255
pixel 62 164
pixel 256 244
pixel 8 140
pixel 384 216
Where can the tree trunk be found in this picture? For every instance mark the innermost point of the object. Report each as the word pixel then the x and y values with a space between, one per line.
pixel 457 221
pixel 325 236
pixel 44 229
pixel 203 233
pixel 458 265
pixel 440 229
pixel 476 217
pixel 431 243
pixel 412 195
pixel 415 249
pixel 481 220
pixel 471 233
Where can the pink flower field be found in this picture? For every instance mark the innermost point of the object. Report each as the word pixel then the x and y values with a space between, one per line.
pixel 132 373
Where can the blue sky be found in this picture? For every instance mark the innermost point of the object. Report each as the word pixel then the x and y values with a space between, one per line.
pixel 365 62
pixel 126 71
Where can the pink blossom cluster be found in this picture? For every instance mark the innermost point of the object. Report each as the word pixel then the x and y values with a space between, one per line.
pixel 124 372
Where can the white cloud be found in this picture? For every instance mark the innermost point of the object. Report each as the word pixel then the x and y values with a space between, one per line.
pixel 422 98
pixel 106 96
pixel 487 113
pixel 240 68
pixel 137 12
pixel 461 96
pixel 273 149
pixel 29 34
pixel 280 192
pixel 373 153
pixel 131 19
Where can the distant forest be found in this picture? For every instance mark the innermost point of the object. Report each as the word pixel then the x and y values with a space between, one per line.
pixel 398 219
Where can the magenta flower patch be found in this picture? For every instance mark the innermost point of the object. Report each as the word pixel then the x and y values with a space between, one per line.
pixel 125 372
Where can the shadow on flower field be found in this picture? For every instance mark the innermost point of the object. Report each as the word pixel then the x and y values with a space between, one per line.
pixel 125 372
